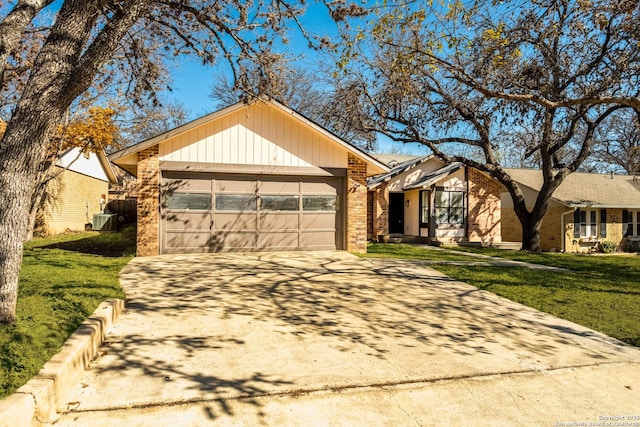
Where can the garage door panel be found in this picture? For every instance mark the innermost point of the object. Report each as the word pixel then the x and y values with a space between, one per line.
pixel 235 221
pixel 241 185
pixel 316 220
pixel 188 241
pixel 188 221
pixel 279 221
pixel 318 240
pixel 279 187
pixel 319 187
pixel 278 240
pixel 235 240
pixel 185 185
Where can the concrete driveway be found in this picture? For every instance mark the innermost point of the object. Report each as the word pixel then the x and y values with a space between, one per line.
pixel 327 338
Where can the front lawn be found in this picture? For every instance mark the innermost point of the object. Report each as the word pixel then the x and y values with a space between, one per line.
pixel 599 292
pixel 63 280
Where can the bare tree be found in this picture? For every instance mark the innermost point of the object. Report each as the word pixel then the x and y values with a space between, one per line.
pixel 484 74
pixel 147 121
pixel 309 91
pixel 618 147
pixel 90 43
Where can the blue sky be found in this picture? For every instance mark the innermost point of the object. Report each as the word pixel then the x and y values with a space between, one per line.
pixel 192 81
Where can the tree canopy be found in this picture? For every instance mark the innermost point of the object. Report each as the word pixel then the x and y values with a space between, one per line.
pixel 535 76
pixel 51 53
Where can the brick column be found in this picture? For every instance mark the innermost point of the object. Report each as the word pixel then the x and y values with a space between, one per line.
pixel 484 208
pixel 148 238
pixel 356 205
pixel 380 207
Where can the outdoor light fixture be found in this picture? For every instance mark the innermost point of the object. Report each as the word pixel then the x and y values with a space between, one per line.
pixel 406 203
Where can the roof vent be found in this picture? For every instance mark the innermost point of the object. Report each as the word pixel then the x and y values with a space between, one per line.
pixel 611 175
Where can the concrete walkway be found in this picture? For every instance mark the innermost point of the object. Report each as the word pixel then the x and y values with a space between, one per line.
pixel 327 338
pixel 486 260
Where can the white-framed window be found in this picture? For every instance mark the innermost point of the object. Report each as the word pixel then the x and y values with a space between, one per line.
pixel 588 223
pixel 424 208
pixel 449 207
pixel 632 220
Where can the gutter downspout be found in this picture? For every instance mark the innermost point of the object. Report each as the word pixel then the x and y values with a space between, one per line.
pixel 563 231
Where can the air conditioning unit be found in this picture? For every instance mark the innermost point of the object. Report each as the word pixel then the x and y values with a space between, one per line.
pixel 105 222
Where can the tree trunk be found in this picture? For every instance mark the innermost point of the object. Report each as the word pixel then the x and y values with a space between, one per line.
pixel 531 223
pixel 63 69
pixel 531 238
pixel 16 183
pixel 33 211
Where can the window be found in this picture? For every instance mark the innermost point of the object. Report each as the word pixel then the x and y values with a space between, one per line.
pixel 588 224
pixel 235 202
pixel 189 201
pixel 279 203
pixel 424 209
pixel 449 207
pixel 319 203
pixel 632 220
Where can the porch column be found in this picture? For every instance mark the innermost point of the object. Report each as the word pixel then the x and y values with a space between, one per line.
pixel 148 236
pixel 380 210
pixel 356 205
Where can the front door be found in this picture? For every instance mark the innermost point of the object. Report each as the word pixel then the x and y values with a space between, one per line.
pixel 396 213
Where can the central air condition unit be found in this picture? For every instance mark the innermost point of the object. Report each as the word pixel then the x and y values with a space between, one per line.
pixel 105 222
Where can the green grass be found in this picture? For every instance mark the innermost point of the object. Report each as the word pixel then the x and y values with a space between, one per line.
pixel 599 292
pixel 62 281
pixel 385 250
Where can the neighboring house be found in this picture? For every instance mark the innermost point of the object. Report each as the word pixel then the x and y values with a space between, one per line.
pixel 255 176
pixel 586 209
pixel 424 199
pixel 79 192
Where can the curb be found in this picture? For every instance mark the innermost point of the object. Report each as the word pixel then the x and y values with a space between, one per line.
pixel 39 400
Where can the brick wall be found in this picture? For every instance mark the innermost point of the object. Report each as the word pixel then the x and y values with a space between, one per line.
pixel 379 211
pixel 370 215
pixel 614 232
pixel 551 228
pixel 356 205
pixel 484 208
pixel 510 227
pixel 148 202
pixel 550 231
pixel 75 198
pixel 614 227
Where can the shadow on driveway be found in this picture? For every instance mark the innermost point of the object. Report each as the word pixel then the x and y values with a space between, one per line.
pixel 217 328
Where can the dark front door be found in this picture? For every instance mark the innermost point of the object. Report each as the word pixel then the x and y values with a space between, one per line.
pixel 396 213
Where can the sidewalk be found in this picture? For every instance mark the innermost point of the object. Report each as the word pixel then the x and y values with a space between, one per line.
pixel 487 261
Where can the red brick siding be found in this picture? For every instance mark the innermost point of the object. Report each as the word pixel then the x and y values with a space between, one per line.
pixel 356 205
pixel 148 242
pixel 484 208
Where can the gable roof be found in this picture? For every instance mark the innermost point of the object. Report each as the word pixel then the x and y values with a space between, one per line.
pixel 586 189
pixel 393 160
pixel 435 176
pixel 375 181
pixel 118 157
pixel 74 160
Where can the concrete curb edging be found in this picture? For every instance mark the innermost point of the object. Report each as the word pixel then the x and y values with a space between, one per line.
pixel 40 399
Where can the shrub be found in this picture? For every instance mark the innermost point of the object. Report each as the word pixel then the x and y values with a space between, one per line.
pixel 633 246
pixel 607 247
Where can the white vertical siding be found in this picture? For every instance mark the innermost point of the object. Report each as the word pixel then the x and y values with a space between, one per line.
pixel 256 135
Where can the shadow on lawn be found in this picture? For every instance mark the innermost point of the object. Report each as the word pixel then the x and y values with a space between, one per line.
pixel 339 312
pixel 107 244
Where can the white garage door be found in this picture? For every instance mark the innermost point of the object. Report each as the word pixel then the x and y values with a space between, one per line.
pixel 211 213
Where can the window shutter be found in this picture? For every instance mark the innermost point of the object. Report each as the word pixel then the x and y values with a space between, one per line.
pixel 603 223
pixel 625 222
pixel 576 223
